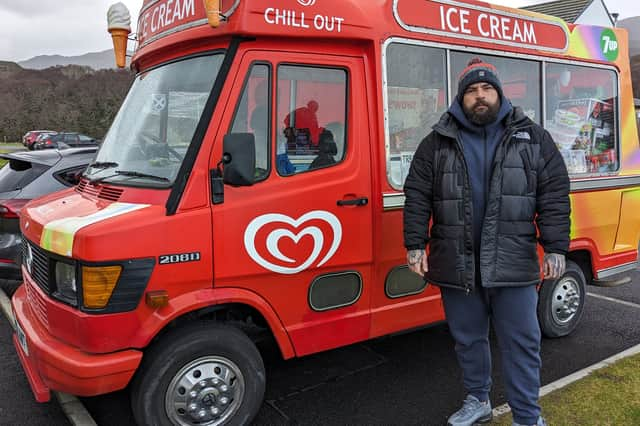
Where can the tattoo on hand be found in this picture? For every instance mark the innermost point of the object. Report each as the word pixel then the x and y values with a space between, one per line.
pixel 415 256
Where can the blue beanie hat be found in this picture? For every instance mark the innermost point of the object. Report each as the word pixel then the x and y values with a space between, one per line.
pixel 476 72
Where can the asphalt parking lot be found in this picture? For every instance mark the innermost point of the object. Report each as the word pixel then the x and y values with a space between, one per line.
pixel 405 379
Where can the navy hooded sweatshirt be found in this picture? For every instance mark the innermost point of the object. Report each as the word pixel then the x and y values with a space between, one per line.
pixel 479 145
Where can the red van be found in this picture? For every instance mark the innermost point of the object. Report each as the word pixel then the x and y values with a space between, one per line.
pixel 206 224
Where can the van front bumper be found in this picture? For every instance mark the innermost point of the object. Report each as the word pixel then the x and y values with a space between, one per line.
pixel 50 364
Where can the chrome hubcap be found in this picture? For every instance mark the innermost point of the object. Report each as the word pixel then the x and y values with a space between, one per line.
pixel 565 300
pixel 207 391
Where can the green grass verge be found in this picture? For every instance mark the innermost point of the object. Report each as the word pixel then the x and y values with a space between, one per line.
pixel 607 397
pixel 8 147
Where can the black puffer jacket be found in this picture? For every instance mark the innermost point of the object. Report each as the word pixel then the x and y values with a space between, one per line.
pixel 528 178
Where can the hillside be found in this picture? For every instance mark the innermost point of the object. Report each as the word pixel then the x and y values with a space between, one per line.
pixel 95 60
pixel 71 98
pixel 7 69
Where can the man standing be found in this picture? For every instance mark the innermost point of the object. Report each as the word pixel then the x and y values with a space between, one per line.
pixel 485 177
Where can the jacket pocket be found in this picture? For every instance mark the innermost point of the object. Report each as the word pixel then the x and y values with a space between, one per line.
pixel 444 260
pixel 517 259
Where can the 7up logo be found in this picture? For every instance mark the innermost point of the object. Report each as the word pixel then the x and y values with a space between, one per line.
pixel 609 44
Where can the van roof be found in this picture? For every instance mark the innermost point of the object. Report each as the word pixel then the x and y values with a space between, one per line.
pixel 164 23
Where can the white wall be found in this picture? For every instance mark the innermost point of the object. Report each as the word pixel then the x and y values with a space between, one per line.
pixel 595 14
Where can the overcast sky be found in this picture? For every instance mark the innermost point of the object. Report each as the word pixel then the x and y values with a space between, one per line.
pixel 30 28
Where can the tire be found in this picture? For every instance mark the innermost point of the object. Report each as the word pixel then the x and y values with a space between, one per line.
pixel 194 371
pixel 561 302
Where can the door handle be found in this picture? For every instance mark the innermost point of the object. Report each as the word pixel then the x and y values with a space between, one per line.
pixel 362 201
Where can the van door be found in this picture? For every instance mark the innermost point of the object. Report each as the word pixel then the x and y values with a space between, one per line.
pixel 301 236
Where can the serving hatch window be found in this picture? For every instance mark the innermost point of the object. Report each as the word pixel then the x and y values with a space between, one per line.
pixel 416 98
pixel 580 104
pixel 581 111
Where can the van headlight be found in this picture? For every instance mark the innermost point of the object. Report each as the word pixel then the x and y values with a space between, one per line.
pixel 65 275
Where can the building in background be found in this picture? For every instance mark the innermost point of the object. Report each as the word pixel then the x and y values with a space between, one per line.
pixel 590 12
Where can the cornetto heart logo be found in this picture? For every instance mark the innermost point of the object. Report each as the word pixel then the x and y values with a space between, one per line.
pixel 277 232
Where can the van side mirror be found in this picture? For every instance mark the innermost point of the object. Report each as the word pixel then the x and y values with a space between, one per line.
pixel 239 159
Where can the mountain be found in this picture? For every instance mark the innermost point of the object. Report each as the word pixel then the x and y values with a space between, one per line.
pixel 632 25
pixel 95 60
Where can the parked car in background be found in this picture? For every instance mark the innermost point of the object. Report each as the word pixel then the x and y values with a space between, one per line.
pixel 41 137
pixel 29 175
pixel 29 138
pixel 65 139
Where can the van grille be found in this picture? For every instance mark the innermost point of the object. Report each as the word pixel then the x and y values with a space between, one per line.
pixel 37 304
pixel 99 191
pixel 40 275
pixel 39 264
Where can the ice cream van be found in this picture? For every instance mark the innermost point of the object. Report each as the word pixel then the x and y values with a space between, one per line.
pixel 250 189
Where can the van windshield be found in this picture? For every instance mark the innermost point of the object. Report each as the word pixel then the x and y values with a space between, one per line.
pixel 151 133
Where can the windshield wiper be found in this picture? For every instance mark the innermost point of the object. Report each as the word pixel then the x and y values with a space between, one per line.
pixel 133 174
pixel 130 174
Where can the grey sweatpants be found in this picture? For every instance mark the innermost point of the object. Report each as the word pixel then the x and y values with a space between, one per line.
pixel 513 314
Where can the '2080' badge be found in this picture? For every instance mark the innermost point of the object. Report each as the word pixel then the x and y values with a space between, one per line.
pixel 166 259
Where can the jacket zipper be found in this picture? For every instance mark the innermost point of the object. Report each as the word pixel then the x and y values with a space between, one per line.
pixel 486 178
pixel 468 185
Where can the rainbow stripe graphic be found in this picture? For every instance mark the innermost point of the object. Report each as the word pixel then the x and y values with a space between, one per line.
pixel 57 236
pixel 584 42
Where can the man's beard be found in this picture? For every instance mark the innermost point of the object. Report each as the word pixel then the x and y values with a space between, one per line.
pixel 481 118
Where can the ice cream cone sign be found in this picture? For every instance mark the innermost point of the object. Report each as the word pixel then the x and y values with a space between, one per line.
pixel 213 12
pixel 119 25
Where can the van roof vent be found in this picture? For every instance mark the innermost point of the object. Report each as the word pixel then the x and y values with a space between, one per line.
pixel 99 191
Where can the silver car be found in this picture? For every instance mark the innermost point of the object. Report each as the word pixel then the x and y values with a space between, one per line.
pixel 28 175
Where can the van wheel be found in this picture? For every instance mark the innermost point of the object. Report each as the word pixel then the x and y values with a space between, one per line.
pixel 561 302
pixel 202 374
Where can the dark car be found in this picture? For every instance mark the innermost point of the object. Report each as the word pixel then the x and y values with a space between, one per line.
pixel 30 137
pixel 64 140
pixel 29 175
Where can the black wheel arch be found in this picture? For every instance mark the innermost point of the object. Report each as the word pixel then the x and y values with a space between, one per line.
pixel 244 317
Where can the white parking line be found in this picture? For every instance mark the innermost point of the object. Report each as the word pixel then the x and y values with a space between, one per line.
pixel 71 406
pixel 611 299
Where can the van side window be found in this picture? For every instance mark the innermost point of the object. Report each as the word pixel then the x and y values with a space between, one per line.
pixel 311 118
pixel 416 97
pixel 253 115
pixel 520 80
pixel 581 116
